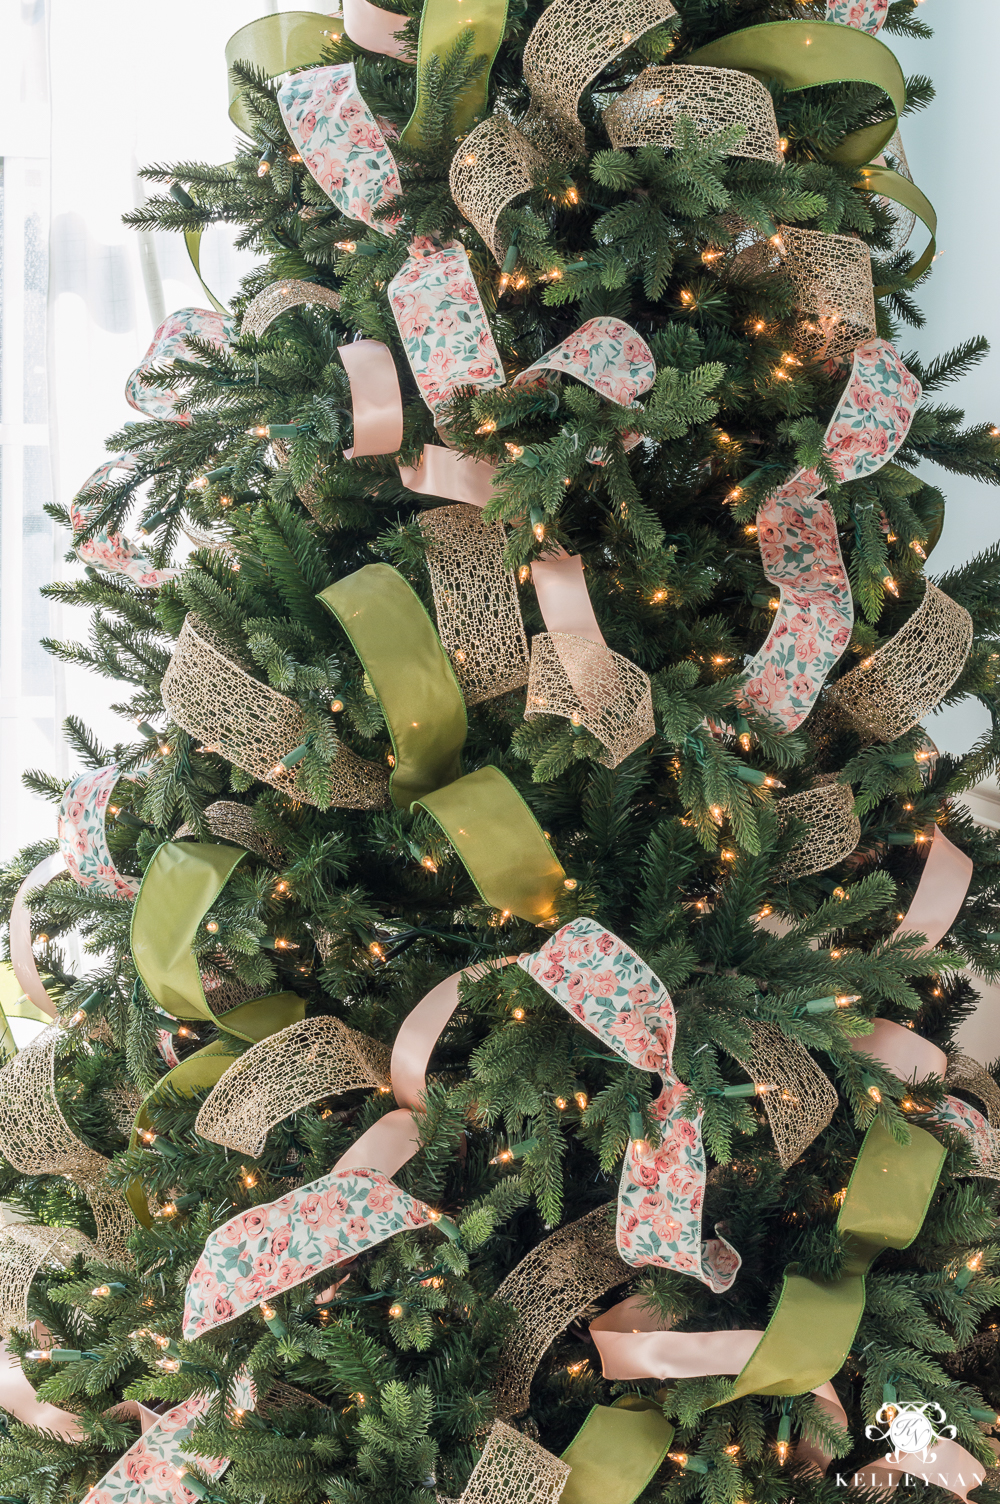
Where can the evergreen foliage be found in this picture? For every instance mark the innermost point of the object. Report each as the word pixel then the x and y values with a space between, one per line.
pixel 672 850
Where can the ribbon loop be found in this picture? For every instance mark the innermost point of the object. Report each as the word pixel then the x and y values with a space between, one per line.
pixel 615 995
pixel 800 548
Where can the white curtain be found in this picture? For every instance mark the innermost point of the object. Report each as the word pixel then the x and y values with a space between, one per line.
pixel 88 93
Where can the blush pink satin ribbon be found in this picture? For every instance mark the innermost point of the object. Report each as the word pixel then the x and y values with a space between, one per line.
pixel 451 475
pixel 19 1399
pixel 22 958
pixel 940 893
pixel 375 397
pixel 372 28
pixel 563 597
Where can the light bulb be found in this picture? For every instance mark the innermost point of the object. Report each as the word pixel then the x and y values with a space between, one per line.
pixel 581 1100
pixel 395 1310
pixel 517 1013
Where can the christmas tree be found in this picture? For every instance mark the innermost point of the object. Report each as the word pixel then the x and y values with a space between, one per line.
pixel 526 935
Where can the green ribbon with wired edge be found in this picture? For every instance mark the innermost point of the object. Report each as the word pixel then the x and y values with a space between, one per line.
pixel 441 26
pixel 482 814
pixel 809 1336
pixel 180 885
pixel 803 54
pixel 274 45
pixel 616 1452
pixel 889 184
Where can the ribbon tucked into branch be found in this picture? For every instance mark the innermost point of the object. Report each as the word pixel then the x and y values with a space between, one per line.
pixel 109 551
pixel 22 957
pixel 274 45
pixel 481 813
pixel 440 28
pixel 170 343
pixel 157 1459
pixel 801 55
pixel 810 1334
pixel 83 838
pixel 799 544
pixel 270 1249
pixel 442 322
pixel 178 888
pixel 37 1140
pixel 340 142
pixel 614 994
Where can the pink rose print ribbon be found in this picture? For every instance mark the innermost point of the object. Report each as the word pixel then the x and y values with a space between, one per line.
pixel 152 1471
pixel 863 15
pixel 170 343
pixel 340 142
pixel 109 551
pixel 800 549
pixel 607 355
pixel 442 322
pixel 83 838
pixel 262 1253
pixel 613 994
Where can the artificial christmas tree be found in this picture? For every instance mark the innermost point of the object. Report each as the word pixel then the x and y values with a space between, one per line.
pixel 529 798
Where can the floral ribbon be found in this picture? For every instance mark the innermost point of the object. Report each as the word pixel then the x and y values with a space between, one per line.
pixel 170 343
pixel 442 322
pixel 800 548
pixel 614 994
pixel 152 1471
pixel 83 838
pixel 864 15
pixel 109 551
pixel 606 354
pixel 272 1248
pixel 810 1334
pixel 340 142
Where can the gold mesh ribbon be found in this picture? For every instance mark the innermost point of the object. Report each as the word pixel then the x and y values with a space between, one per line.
pixel 513 1470
pixel 37 1140
pixel 210 696
pixel 594 687
pixel 645 114
pixel 834 829
pixel 475 599
pixel 548 1289
pixel 320 1057
pixel 571 43
pixel 493 166
pixel 24 1251
pixel 234 822
pixel 901 681
pixel 833 278
pixel 798 1099
pixel 279 298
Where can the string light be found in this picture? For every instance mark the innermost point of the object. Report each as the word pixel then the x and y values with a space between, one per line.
pixel 890 585
pixel 488 427
pixel 517 1013
pixel 569 883
pixel 581 1100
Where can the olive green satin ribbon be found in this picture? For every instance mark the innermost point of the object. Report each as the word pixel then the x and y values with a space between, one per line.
pixel 180 885
pixel 803 54
pixel 482 814
pixel 192 239
pixel 893 185
pixel 442 22
pixel 274 45
pixel 810 1334
pixel 616 1452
